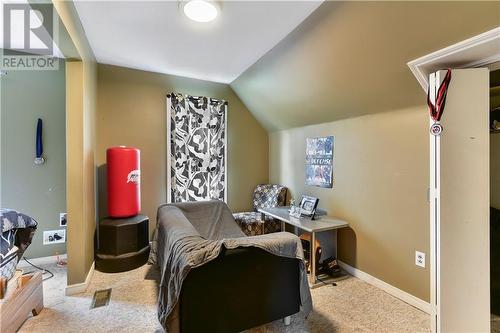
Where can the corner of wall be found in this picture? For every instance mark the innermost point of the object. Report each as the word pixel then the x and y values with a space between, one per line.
pixel 81 94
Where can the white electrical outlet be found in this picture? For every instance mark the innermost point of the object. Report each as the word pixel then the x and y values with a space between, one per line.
pixel 420 259
pixel 54 236
pixel 63 219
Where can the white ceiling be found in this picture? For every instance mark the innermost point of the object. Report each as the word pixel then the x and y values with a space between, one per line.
pixel 155 36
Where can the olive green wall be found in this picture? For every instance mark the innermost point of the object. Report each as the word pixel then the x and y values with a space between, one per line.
pixel 36 190
pixel 381 178
pixel 349 58
pixel 132 112
pixel 344 72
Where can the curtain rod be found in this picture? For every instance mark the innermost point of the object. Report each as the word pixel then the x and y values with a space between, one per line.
pixel 210 98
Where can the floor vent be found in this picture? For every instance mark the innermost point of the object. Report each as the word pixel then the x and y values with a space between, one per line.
pixel 101 298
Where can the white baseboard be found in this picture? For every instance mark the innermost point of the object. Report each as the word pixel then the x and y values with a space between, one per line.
pixel 71 289
pixel 396 292
pixel 78 288
pixel 40 261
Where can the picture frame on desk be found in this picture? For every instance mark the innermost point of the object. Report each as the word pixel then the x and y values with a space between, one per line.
pixel 308 206
pixel 295 211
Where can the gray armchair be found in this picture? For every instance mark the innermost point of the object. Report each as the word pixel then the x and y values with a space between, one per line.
pixel 264 196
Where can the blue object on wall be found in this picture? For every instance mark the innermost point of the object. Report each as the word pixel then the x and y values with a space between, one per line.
pixel 39 144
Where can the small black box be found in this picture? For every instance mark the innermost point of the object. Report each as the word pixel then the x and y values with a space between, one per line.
pixel 123 243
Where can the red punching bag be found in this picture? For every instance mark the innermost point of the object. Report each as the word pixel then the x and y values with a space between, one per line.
pixel 124 176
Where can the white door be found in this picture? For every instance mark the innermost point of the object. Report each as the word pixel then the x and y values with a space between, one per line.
pixel 460 200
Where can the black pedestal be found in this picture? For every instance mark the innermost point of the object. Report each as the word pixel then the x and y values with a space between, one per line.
pixel 123 244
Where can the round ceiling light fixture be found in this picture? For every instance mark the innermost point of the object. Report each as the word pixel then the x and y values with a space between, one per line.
pixel 200 10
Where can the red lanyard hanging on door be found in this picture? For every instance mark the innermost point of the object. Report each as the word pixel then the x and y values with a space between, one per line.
pixel 436 109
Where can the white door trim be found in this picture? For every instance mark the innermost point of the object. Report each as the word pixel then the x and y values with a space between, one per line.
pixel 478 51
pixel 482 50
pixel 435 209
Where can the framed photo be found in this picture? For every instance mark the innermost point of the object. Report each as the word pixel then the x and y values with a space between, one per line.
pixel 308 206
pixel 319 161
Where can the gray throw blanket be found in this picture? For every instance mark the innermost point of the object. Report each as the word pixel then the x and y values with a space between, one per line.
pixel 191 234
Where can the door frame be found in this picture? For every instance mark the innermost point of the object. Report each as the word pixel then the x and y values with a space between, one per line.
pixel 479 51
pixel 474 52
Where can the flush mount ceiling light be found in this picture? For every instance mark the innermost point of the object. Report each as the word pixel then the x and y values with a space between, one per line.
pixel 200 10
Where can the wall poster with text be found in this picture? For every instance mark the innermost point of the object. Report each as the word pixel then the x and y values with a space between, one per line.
pixel 319 161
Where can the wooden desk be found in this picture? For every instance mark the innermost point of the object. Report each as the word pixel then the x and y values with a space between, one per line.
pixel 322 223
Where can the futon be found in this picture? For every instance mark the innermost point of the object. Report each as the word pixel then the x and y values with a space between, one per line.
pixel 216 279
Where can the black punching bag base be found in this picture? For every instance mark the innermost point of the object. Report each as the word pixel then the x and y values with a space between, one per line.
pixel 125 262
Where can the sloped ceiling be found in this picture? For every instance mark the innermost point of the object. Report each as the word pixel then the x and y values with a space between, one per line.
pixel 349 59
pixel 155 36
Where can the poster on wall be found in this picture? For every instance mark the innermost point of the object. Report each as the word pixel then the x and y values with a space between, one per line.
pixel 319 161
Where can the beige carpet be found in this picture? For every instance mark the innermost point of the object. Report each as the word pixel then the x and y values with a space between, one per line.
pixel 495 324
pixel 351 306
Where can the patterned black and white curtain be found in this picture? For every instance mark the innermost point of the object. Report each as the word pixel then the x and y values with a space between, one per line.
pixel 196 148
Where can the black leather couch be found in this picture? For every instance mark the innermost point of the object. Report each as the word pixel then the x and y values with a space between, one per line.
pixel 219 296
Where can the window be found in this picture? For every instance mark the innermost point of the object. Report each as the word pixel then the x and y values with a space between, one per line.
pixel 196 148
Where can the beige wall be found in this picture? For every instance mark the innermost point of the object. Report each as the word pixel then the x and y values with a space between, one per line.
pixel 346 60
pixel 132 112
pixel 379 159
pixel 81 83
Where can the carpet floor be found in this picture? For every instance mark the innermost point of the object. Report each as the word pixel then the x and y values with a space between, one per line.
pixel 495 324
pixel 351 306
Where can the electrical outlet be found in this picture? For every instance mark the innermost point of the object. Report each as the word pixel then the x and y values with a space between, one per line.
pixel 63 219
pixel 54 236
pixel 420 259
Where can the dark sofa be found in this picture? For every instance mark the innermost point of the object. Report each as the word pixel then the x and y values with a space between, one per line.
pixel 216 279
pixel 267 288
